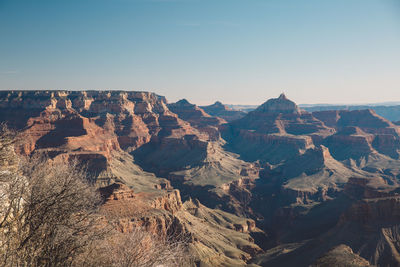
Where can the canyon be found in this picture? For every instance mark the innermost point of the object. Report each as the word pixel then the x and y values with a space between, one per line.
pixel 275 186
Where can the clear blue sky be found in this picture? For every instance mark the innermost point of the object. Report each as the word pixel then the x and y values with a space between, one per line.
pixel 236 51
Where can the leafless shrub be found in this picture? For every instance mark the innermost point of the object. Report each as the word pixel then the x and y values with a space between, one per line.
pixel 7 139
pixel 47 214
pixel 138 248
pixel 49 217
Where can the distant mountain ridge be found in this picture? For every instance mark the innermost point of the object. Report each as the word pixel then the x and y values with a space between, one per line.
pixel 388 110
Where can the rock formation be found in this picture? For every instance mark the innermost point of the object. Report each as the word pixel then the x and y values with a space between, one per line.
pixel 197 118
pixel 215 237
pixel 220 110
pixel 276 130
pixel 341 255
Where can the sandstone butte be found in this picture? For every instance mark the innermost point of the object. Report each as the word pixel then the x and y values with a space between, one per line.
pixel 277 186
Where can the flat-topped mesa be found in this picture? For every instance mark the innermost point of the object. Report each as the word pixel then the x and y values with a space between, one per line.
pixel 217 106
pixel 93 101
pixel 279 105
pixel 220 110
pixel 366 119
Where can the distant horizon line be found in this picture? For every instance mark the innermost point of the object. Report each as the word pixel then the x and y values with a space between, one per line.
pixel 317 104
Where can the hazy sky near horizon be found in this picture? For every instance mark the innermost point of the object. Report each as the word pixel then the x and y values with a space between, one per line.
pixel 235 51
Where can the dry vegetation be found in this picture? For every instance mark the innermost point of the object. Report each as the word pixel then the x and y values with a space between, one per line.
pixel 49 217
pixel 137 248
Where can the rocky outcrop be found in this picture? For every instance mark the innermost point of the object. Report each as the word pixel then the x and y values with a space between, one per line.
pixel 56 132
pixel 193 114
pixel 151 210
pixel 163 213
pixel 197 118
pixel 280 105
pixel 341 255
pixel 171 202
pixel 220 110
pixel 116 191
